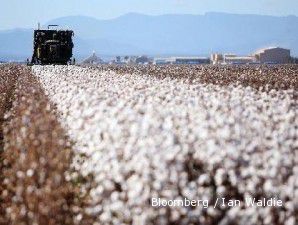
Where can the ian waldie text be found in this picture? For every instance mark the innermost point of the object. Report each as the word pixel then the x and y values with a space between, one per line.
pixel 249 202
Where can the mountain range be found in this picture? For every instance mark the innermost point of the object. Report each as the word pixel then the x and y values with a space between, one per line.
pixel 135 34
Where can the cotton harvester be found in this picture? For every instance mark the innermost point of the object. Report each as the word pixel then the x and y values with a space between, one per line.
pixel 52 46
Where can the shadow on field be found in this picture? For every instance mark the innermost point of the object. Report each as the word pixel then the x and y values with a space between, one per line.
pixel 8 78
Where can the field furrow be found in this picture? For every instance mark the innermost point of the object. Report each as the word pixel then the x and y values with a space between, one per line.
pixel 39 185
pixel 8 77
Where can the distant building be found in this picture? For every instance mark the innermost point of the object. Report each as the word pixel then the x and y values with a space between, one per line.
pixel 181 60
pixel 216 58
pixel 93 59
pixel 230 55
pixel 161 61
pixel 273 55
pixel 238 59
pixel 191 60
pixel 131 60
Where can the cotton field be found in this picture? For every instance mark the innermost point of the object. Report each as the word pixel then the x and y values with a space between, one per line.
pixel 132 135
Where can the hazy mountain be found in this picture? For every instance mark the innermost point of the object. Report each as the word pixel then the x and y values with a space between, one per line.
pixel 15 44
pixel 168 34
pixel 190 34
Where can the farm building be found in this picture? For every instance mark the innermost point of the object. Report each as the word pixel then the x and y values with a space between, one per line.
pixel 231 59
pixel 216 58
pixel 273 55
pixel 238 59
pixel 162 61
pixel 182 60
pixel 191 60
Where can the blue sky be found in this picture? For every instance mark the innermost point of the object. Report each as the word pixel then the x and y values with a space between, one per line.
pixel 26 13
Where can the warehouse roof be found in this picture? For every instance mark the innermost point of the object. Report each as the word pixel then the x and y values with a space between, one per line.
pixel 262 50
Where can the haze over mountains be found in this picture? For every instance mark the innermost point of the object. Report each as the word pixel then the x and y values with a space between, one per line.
pixel 165 35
